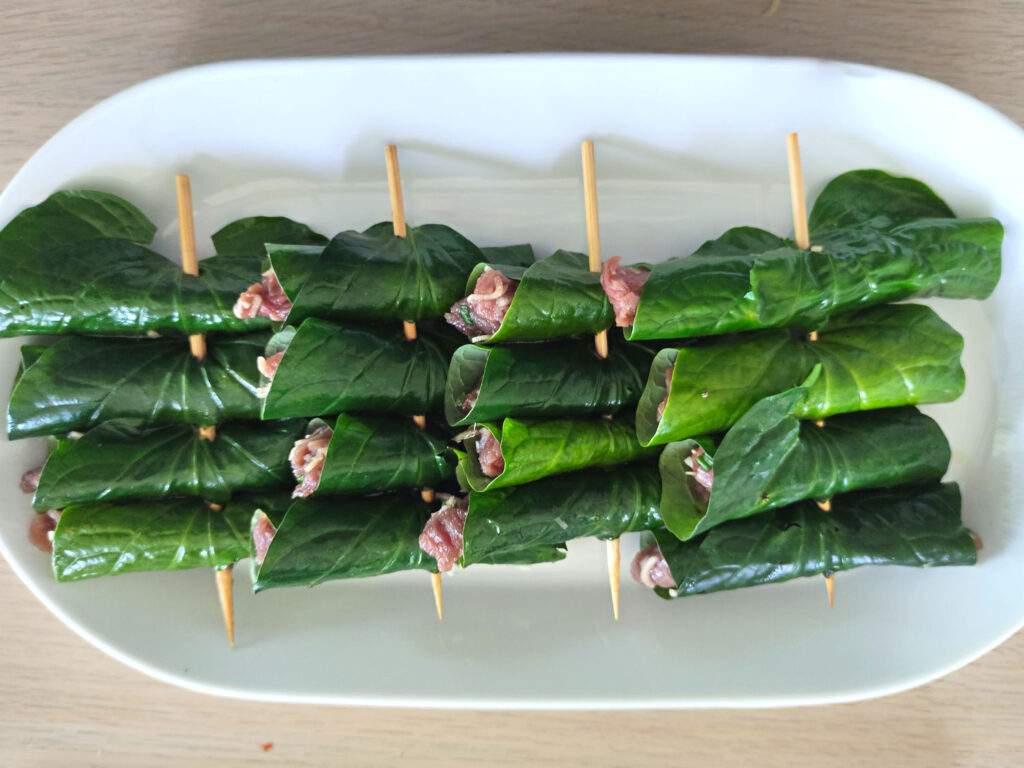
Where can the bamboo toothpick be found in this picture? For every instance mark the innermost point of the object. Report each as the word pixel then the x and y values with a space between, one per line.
pixel 224 577
pixel 409 327
pixel 613 547
pixel 801 233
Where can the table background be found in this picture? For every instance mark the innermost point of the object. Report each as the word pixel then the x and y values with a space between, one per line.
pixel 64 703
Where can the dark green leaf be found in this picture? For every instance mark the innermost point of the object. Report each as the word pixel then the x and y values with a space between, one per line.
pixel 770 459
pixel 115 286
pixel 375 276
pixel 378 453
pixel 879 358
pixel 556 297
pixel 106 539
pixel 80 382
pixel 71 216
pixel 514 255
pixel 328 369
pixel 877 237
pixel 875 199
pixel 125 460
pixel 595 502
pixel 915 526
pixel 249 236
pixel 542 381
pixel 328 538
pixel 536 449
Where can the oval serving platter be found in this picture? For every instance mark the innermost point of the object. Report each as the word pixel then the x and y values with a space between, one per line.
pixel 688 146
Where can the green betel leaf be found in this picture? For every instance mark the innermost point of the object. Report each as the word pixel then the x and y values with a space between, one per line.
pixel 251 235
pixel 705 294
pixel 378 453
pixel 375 276
pixel 71 216
pixel 874 199
pixel 122 460
pixel 532 450
pixel 116 286
pixel 106 539
pixel 911 526
pixel 880 357
pixel 520 255
pixel 556 297
pixel 329 538
pixel 770 459
pixel 328 368
pixel 877 238
pixel 80 382
pixel 542 381
pixel 596 502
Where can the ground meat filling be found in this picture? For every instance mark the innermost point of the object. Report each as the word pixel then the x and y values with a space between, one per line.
pixel 263 532
pixel 267 366
pixel 488 452
pixel 307 460
pixel 40 530
pixel 668 388
pixel 701 478
pixel 263 299
pixel 30 480
pixel 650 569
pixel 623 285
pixel 469 401
pixel 442 535
pixel 481 313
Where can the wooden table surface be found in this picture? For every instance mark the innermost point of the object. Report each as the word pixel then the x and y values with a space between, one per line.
pixel 64 703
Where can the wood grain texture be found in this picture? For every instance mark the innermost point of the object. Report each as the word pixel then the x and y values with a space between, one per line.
pixel 62 703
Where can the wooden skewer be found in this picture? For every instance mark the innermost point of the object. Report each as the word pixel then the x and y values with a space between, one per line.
pixel 408 327
pixel 224 577
pixel 613 547
pixel 801 232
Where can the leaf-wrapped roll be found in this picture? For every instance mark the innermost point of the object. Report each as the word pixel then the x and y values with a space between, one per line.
pixel 592 502
pixel 80 382
pixel 366 454
pixel 542 381
pixel 553 298
pixel 326 538
pixel 881 357
pixel 108 538
pixel 125 460
pixel 878 238
pixel 376 276
pixel 322 369
pixel 914 526
pixel 517 451
pixel 770 459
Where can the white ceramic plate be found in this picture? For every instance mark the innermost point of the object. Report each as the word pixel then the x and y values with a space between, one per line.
pixel 687 146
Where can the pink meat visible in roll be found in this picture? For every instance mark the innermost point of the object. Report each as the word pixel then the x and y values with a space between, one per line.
pixel 307 460
pixel 481 313
pixel 488 452
pixel 650 568
pixel 267 366
pixel 622 286
pixel 263 299
pixel 41 528
pixel 263 532
pixel 30 480
pixel 702 478
pixel 469 401
pixel 668 388
pixel 442 534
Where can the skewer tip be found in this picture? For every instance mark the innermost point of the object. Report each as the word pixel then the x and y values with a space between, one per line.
pixel 614 552
pixel 225 578
pixel 435 583
pixel 830 591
